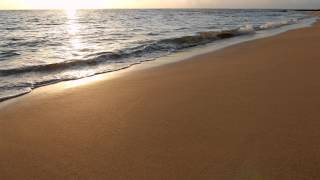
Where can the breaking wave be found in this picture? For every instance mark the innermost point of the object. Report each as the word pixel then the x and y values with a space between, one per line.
pixel 20 78
pixel 164 45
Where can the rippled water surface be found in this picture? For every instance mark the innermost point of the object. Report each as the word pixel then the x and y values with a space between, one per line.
pixel 44 47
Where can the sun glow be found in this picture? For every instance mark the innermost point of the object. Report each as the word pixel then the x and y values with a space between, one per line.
pixel 109 4
pixel 76 4
pixel 67 4
pixel 71 13
pixel 93 4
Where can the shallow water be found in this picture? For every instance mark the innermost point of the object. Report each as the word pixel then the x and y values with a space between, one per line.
pixel 44 47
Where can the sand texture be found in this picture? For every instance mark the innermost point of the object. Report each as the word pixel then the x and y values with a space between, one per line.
pixel 248 112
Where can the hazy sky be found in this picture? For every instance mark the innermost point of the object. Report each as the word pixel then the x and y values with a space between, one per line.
pixel 71 4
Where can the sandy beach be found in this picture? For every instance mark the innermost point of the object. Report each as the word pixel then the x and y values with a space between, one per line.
pixel 248 112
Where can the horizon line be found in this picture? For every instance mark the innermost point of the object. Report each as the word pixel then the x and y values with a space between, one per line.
pixel 306 9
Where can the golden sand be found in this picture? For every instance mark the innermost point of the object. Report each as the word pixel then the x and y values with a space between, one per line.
pixel 249 112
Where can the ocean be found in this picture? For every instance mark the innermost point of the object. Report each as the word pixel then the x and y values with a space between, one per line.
pixel 43 47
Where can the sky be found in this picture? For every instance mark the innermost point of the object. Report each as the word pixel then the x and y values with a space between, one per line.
pixel 100 4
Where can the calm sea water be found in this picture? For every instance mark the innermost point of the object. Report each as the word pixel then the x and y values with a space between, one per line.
pixel 44 47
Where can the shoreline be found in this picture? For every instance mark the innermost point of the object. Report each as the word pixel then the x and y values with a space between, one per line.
pixel 249 111
pixel 181 55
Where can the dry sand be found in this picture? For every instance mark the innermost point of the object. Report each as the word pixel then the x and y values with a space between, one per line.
pixel 249 112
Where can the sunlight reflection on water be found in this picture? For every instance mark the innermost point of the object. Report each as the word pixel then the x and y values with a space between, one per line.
pixel 38 48
pixel 73 28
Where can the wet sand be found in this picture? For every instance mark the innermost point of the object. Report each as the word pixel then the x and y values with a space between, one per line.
pixel 247 112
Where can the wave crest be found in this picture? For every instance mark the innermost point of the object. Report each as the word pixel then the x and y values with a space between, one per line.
pixel 164 45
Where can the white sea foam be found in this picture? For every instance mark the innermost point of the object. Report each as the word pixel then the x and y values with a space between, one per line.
pixel 271 25
pixel 46 47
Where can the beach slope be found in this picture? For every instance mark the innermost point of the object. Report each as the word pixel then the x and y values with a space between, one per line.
pixel 247 112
